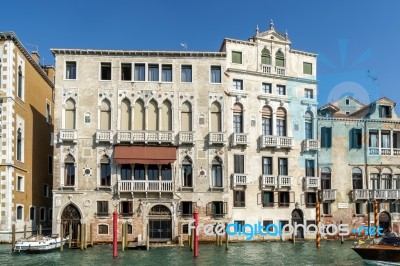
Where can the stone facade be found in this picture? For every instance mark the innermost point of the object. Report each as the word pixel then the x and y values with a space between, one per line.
pixel 26 107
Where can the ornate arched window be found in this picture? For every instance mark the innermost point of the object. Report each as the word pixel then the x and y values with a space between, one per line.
pixel 279 59
pixel 266 121
pixel 187 173
pixel 326 178
pixel 237 118
pixel 265 57
pixel 216 119
pixel 152 120
pixel 281 121
pixel 69 170
pixel 139 115
pixel 126 115
pixel 19 145
pixel 105 115
pixel 186 117
pixel 70 114
pixel 105 171
pixel 216 173
pixel 20 82
pixel 308 125
pixel 356 175
pixel 166 116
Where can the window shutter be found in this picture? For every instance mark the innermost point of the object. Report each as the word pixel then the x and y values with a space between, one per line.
pixel 224 208
pixel 276 198
pixel 259 198
pixel 130 206
pixel 209 210
pixel 291 196
pixel 329 137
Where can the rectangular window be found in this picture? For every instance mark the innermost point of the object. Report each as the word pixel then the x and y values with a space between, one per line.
pixel 126 207
pixel 268 226
pixel 310 168
pixel 69 174
pixel 50 165
pixel 105 174
pixel 238 84
pixel 283 166
pixel 355 138
pixel 284 199
pixel 281 89
pixel 102 229
pixel 42 214
pixel 46 191
pixel 281 127
pixel 105 71
pixel 152 172
pixel 311 228
pixel 32 213
pixel 310 199
pixel 267 165
pixel 187 208
pixel 239 198
pixel 359 208
pixel 237 123
pixel 140 72
pixel 283 223
pixel 216 175
pixel 308 129
pixel 215 74
pixel 48 113
pixel 385 111
pixel 308 93
pixel 218 208
pixel 126 71
pixel 268 199
pixel 374 179
pixel 266 87
pixel 20 211
pixel 238 161
pixel 307 68
pixel 326 208
pixel 20 183
pixel 102 208
pixel 166 172
pixel 236 57
pixel 186 73
pixel 166 73
pixel 187 175
pixel 153 73
pixel 326 137
pixel 185 229
pixel 385 139
pixel 373 139
pixel 70 70
pixel 240 223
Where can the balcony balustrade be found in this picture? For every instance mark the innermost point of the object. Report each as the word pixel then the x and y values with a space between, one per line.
pixel 104 136
pixel 277 142
pixel 68 135
pixel 145 186
pixel 239 139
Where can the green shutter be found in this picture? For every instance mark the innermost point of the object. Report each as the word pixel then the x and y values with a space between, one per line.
pixel 237 57
pixel 307 68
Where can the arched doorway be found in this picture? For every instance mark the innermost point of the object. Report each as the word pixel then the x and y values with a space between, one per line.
pixel 384 220
pixel 297 218
pixel 160 224
pixel 71 216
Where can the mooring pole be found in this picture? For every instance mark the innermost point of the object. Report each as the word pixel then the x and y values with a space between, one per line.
pixel 13 237
pixel 196 237
pixel 91 235
pixel 226 237
pixel 62 237
pixel 70 236
pixel 25 231
pixel 123 237
pixel 115 234
pixel 148 237
pixel 317 221
pixel 40 229
pixel 376 212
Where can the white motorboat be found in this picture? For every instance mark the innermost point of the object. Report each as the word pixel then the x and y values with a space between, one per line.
pixel 39 243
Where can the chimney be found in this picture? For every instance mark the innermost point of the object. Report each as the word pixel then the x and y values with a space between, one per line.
pixel 50 71
pixel 36 57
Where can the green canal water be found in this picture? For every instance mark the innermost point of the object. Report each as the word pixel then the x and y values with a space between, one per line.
pixel 266 253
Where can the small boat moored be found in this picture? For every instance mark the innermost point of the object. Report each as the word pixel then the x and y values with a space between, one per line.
pixel 387 251
pixel 39 243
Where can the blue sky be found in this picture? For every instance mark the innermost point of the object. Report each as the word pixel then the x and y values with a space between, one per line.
pixel 358 42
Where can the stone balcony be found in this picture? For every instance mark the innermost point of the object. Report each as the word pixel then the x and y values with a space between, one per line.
pixel 145 186
pixel 186 137
pixel 239 180
pixel 268 181
pixel 311 145
pixel 68 135
pixel 329 195
pixel 104 136
pixel 284 181
pixel 311 182
pixel 216 138
pixel 277 142
pixel 377 151
pixel 360 194
pixel 239 139
pixel 165 137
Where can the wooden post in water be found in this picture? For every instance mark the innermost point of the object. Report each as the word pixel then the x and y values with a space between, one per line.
pixel 13 237
pixel 25 231
pixel 148 237
pixel 85 236
pixel 79 236
pixel 294 232
pixel 126 234
pixel 115 234
pixel 123 237
pixel 91 235
pixel 195 236
pixel 376 212
pixel 40 229
pixel 192 240
pixel 189 239
pixel 70 235
pixel 226 237
pixel 82 236
pixel 62 237
pixel 317 220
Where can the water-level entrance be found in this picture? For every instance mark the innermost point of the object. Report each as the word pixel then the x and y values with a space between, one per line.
pixel 71 216
pixel 160 224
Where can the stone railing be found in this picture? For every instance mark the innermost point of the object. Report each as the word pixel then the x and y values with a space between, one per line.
pixel 276 142
pixel 239 139
pixel 104 136
pixel 68 135
pixel 145 186
pixel 216 138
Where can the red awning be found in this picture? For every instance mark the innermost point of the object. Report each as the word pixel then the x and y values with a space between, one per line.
pixel 144 155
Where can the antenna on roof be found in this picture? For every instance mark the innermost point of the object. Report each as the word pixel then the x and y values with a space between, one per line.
pixel 184 46
pixel 34 45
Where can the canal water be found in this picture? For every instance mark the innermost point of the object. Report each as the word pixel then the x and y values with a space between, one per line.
pixel 266 253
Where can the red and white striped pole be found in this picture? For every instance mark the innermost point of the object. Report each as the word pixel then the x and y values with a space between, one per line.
pixel 115 234
pixel 196 237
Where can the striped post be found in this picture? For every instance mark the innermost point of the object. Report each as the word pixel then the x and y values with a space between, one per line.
pixel 376 213
pixel 317 221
